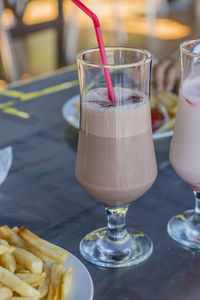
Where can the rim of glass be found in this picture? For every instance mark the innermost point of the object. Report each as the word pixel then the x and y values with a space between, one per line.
pixel 146 58
pixel 186 51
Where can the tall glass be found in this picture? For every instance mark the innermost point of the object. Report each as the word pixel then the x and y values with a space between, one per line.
pixel 116 160
pixel 185 146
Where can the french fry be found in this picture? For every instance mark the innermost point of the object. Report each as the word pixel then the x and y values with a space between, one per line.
pixel 32 279
pixel 18 241
pixel 28 260
pixel 8 261
pixel 66 283
pixel 43 288
pixel 172 111
pixel 4 247
pixel 168 103
pixel 39 254
pixel 16 284
pixel 56 276
pixel 15 229
pixel 12 237
pixel 5 292
pixel 48 249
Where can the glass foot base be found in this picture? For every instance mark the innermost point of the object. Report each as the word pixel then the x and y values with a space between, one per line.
pixel 185 229
pixel 98 249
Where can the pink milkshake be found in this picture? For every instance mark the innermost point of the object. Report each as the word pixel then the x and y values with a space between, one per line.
pixel 116 160
pixel 185 147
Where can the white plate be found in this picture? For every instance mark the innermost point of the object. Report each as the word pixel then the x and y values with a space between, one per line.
pixel 69 112
pixel 82 287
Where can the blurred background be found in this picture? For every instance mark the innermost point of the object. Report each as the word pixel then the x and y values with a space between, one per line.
pixel 40 36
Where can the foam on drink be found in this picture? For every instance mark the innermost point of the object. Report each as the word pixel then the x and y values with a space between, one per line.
pixel 103 118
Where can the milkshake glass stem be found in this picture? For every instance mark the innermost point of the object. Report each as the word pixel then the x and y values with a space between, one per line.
pixel 196 217
pixel 116 230
pixel 114 246
pixel 197 203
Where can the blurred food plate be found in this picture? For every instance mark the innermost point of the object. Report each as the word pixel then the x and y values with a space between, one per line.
pixel 163 111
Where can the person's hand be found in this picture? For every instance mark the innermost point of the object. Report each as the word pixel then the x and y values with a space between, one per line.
pixel 166 75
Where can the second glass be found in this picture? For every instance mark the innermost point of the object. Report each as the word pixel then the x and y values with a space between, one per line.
pixel 116 159
pixel 185 147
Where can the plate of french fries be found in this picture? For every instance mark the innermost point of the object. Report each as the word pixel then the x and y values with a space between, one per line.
pixel 32 268
pixel 163 109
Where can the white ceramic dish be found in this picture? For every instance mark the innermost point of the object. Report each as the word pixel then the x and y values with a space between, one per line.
pixel 82 287
pixel 69 112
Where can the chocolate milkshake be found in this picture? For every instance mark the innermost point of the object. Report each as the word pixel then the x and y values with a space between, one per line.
pixel 116 159
pixel 185 147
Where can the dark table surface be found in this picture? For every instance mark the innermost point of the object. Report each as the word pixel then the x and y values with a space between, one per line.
pixel 41 193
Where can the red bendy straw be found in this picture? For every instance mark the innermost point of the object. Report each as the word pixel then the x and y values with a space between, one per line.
pixel 97 27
